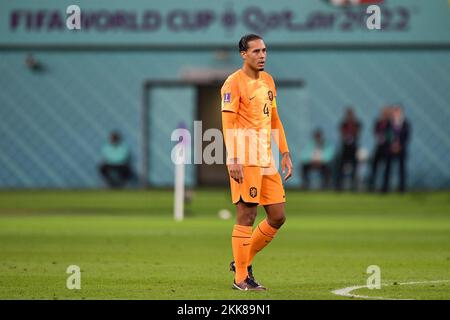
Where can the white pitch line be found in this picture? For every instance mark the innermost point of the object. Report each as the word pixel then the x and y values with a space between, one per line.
pixel 346 292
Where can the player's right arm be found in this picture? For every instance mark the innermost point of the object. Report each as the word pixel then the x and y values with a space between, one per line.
pixel 235 167
pixel 230 106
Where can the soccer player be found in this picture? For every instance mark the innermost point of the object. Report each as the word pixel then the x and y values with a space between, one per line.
pixel 249 110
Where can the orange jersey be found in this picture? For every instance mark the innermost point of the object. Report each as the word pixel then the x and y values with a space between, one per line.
pixel 252 100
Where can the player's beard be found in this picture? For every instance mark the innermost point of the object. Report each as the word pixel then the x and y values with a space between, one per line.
pixel 261 69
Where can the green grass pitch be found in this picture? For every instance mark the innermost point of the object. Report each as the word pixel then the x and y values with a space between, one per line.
pixel 128 246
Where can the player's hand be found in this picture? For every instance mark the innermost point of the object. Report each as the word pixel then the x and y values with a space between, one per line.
pixel 286 165
pixel 236 171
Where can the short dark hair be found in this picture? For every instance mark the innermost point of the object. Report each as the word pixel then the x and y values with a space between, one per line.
pixel 115 137
pixel 317 132
pixel 243 43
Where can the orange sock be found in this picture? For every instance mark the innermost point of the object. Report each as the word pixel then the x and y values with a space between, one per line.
pixel 240 240
pixel 261 237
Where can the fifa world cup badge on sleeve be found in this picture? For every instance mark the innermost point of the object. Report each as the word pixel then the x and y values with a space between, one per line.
pixel 227 97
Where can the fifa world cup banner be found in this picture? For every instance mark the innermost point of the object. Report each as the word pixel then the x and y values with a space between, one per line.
pixel 213 22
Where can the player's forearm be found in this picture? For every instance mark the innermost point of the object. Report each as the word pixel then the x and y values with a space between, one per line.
pixel 277 125
pixel 229 133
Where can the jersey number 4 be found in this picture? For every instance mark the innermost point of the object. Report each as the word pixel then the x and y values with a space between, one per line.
pixel 266 110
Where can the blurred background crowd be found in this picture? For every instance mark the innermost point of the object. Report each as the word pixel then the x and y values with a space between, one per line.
pixel 338 163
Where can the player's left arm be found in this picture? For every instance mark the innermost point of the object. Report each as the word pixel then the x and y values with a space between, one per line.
pixel 286 161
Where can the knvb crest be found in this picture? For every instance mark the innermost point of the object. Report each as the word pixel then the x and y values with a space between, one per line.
pixel 253 192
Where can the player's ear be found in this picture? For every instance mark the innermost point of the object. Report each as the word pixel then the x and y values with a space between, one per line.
pixel 243 54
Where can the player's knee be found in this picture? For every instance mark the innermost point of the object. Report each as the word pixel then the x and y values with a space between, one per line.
pixel 246 213
pixel 281 220
pixel 277 221
pixel 246 218
pixel 249 218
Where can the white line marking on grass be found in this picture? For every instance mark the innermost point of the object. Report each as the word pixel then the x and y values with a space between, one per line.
pixel 346 292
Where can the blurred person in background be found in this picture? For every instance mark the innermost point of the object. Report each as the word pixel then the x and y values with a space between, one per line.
pixel 401 131
pixel 115 167
pixel 318 155
pixel 350 129
pixel 382 130
pixel 32 63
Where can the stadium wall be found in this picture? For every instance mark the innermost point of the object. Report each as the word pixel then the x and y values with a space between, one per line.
pixel 54 120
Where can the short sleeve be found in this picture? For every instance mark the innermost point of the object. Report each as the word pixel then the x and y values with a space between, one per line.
pixel 230 95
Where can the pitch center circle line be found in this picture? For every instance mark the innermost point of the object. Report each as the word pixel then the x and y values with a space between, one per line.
pixel 346 292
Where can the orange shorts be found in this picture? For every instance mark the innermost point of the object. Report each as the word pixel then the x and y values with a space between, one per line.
pixel 260 186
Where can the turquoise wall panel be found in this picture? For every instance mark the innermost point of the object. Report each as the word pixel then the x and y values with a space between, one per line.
pixel 54 122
